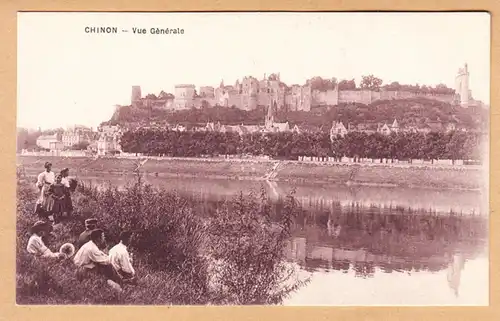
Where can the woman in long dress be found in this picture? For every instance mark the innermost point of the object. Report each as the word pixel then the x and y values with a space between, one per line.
pixel 45 179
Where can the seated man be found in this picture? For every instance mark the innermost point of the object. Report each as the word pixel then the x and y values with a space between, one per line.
pixel 90 258
pixel 36 246
pixel 120 258
pixel 90 225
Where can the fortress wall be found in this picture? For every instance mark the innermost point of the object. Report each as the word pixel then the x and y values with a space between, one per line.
pixel 292 101
pixel 355 96
pixel 321 98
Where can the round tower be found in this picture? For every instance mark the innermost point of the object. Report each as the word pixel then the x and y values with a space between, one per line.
pixel 462 86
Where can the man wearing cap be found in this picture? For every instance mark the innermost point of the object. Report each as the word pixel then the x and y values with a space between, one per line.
pixel 36 246
pixel 90 225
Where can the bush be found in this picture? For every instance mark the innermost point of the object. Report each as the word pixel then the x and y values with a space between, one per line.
pixel 248 243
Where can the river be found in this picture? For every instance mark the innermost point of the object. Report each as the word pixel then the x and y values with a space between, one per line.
pixel 372 245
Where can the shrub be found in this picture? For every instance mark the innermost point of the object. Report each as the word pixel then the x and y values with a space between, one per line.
pixel 248 245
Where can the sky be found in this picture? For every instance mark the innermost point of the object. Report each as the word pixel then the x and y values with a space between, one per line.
pixel 68 77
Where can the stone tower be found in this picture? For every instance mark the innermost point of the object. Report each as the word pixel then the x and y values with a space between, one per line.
pixel 252 96
pixel 462 86
pixel 136 94
pixel 269 122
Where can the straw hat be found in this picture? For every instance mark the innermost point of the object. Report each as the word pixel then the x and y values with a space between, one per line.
pixel 39 226
pixel 67 249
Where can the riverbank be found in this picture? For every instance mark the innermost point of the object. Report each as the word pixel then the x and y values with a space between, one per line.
pixel 372 174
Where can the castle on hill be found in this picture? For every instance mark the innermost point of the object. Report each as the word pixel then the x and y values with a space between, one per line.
pixel 270 91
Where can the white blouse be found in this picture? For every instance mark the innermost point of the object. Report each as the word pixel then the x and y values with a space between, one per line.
pixel 65 181
pixel 38 248
pixel 45 177
pixel 120 258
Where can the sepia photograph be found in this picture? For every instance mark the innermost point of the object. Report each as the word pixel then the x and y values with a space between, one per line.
pixel 253 158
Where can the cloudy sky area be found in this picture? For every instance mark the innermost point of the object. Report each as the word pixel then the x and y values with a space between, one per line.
pixel 66 76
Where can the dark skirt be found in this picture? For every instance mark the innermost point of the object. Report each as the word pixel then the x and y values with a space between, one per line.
pixel 68 203
pixel 56 205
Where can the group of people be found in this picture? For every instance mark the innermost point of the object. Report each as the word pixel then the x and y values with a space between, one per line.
pixel 54 201
pixel 88 252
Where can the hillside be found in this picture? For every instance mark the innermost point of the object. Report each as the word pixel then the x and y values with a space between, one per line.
pixel 407 111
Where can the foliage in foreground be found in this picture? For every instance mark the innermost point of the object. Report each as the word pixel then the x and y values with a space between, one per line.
pixel 235 256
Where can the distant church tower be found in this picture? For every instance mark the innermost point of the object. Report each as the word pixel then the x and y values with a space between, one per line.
pixel 462 86
pixel 269 122
pixel 136 94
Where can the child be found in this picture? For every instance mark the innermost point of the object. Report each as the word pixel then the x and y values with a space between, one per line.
pixel 69 188
pixel 57 205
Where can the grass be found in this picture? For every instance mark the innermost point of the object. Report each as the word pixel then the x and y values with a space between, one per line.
pixel 234 256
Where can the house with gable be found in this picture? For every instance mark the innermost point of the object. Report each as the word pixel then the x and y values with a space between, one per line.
pixel 304 128
pixel 383 129
pixel 338 128
pixel 395 126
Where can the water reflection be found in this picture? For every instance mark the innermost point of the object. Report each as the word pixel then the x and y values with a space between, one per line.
pixel 455 271
pixel 355 242
pixel 313 195
pixel 423 288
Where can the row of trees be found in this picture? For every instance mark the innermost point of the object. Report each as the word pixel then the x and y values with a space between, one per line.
pixel 371 82
pixel 402 146
pixel 439 89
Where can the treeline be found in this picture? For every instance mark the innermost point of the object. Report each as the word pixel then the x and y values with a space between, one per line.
pixel 402 146
pixel 371 82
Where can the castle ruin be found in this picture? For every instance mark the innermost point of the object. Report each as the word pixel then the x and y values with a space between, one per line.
pixel 249 93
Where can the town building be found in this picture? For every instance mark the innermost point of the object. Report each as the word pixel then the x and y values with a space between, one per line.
pixel 303 129
pixel 56 146
pixel 47 141
pixel 338 129
pixel 107 145
pixel 108 141
pixel 77 135
pixel 72 138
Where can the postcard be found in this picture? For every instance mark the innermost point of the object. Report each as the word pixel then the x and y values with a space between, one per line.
pixel 253 158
